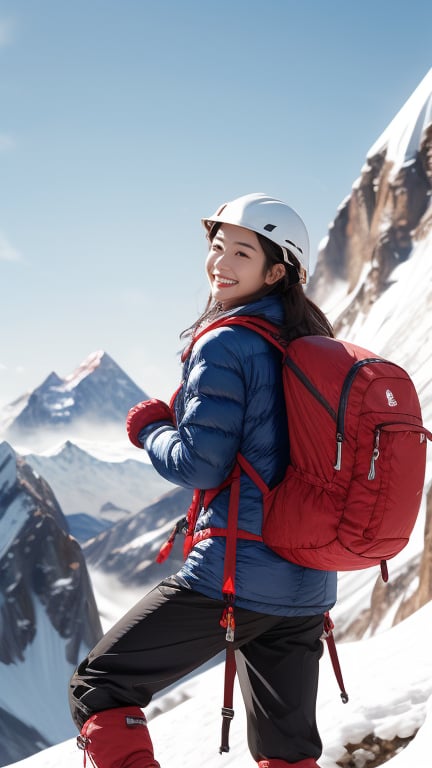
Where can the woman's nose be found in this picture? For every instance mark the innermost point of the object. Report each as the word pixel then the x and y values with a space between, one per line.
pixel 221 257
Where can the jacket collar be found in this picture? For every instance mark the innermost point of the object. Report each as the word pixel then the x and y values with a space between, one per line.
pixel 269 307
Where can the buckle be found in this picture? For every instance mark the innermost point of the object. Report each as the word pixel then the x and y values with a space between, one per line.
pixel 227 712
pixel 82 742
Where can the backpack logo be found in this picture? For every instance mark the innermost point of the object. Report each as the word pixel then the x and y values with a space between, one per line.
pixel 133 722
pixel 391 398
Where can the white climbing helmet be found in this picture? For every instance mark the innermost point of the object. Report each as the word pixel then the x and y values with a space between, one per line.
pixel 271 218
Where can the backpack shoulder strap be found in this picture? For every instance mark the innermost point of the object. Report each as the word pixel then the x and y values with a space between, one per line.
pixel 264 328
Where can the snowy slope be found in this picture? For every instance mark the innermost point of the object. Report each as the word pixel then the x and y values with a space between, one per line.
pixel 399 323
pixel 389 679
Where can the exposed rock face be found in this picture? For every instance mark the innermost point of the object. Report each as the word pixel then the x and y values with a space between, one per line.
pixel 387 210
pixel 374 231
pixel 48 616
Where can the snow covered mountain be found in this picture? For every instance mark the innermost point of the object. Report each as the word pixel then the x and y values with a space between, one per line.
pixel 97 394
pixel 128 549
pixel 384 219
pixel 48 615
pixel 72 431
pixel 101 489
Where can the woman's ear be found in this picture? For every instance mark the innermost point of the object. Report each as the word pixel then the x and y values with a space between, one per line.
pixel 275 273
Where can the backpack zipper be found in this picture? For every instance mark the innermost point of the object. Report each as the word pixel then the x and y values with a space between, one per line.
pixel 380 427
pixel 308 384
pixel 343 402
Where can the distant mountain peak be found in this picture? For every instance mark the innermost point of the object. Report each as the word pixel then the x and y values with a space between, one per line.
pixel 402 139
pixel 387 214
pixel 52 380
pixel 86 368
pixel 98 391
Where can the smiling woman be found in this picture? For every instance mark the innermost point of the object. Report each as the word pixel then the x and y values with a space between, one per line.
pixel 237 267
pixel 259 246
pixel 231 403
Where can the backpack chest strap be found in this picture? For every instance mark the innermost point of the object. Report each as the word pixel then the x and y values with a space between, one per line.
pixel 208 533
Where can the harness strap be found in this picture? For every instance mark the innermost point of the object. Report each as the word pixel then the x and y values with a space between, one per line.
pixel 251 472
pixel 208 533
pixel 192 516
pixel 227 619
pixel 331 645
pixel 227 709
pixel 228 587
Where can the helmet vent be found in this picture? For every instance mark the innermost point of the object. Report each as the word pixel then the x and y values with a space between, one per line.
pixel 295 246
pixel 269 227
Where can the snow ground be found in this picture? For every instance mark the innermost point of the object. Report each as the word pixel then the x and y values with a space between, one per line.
pixel 388 678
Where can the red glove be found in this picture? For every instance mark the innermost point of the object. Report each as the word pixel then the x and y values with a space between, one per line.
pixel 146 413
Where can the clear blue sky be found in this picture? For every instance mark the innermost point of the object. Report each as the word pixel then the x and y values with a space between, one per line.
pixel 122 122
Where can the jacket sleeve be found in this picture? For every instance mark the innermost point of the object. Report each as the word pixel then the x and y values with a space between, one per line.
pixel 201 451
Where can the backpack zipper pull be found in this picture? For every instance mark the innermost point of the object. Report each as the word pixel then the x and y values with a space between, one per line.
pixel 375 456
pixel 339 441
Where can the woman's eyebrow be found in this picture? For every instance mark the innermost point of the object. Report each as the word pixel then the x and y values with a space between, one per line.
pixel 245 245
pixel 238 242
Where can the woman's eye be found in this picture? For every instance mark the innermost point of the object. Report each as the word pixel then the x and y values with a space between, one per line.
pixel 243 254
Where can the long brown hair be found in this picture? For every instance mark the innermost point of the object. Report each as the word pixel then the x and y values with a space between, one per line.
pixel 302 317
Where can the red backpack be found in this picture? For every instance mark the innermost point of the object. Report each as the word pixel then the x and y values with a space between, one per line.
pixel 352 490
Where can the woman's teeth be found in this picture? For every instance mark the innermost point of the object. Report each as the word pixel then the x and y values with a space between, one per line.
pixel 225 280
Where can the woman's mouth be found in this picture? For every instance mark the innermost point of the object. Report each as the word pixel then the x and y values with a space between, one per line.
pixel 224 281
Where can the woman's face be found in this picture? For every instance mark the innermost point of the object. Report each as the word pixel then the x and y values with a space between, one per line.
pixel 236 266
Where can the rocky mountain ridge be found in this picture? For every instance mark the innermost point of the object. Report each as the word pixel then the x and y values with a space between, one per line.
pixel 48 615
pixel 85 484
pixel 128 549
pixel 386 213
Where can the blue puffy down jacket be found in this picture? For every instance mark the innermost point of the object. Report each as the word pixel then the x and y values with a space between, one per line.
pixel 232 400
